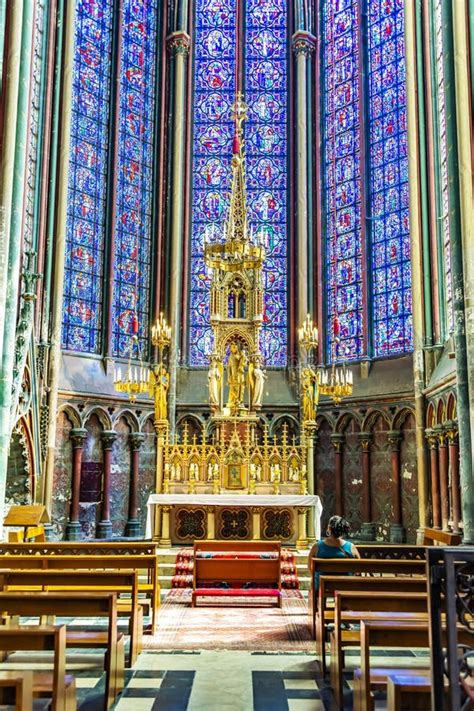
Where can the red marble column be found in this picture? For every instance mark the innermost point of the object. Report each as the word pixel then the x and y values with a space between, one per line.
pixel 435 498
pixel 133 527
pixel 104 527
pixel 443 475
pixel 367 532
pixel 453 449
pixel 397 532
pixel 73 528
pixel 337 441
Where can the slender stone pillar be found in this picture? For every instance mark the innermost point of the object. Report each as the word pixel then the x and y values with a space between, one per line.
pixel 256 511
pixel 211 523
pixel 337 441
pixel 453 449
pixel 302 541
pixel 435 497
pixel 165 540
pixel 178 46
pixel 133 527
pixel 443 475
pixel 303 45
pixel 367 532
pixel 310 430
pixel 104 527
pixel 397 531
pixel 73 528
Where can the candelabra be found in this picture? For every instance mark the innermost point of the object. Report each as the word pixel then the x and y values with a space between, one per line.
pixel 135 379
pixel 336 383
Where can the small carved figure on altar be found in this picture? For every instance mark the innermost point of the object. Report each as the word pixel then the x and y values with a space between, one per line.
pixel 193 471
pixel 214 382
pixel 293 472
pixel 161 387
pixel 255 471
pixel 166 479
pixel 304 481
pixel 236 376
pixel 175 472
pixel 258 378
pixel 310 393
pixel 275 472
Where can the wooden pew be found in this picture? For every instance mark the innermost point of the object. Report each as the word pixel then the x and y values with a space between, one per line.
pixel 357 566
pixel 79 548
pixel 125 581
pixel 433 537
pixel 80 604
pixel 21 684
pixel 39 639
pixel 146 563
pixel 409 692
pixel 353 607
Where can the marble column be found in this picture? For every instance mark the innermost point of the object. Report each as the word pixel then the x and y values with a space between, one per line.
pixel 367 532
pixel 310 431
pixel 165 538
pixel 133 527
pixel 302 541
pixel 178 46
pixel 443 475
pixel 397 531
pixel 337 441
pixel 303 45
pixel 73 528
pixel 211 523
pixel 435 497
pixel 104 527
pixel 453 451
pixel 256 512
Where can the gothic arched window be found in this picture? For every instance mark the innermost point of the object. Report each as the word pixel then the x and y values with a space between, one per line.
pixel 109 219
pixel 262 47
pixel 365 179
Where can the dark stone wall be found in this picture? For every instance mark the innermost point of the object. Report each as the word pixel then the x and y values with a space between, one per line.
pixel 352 476
pixel 325 472
pixel 120 478
pixel 381 478
pixel 146 477
pixel 62 476
pixel 409 478
pixel 92 463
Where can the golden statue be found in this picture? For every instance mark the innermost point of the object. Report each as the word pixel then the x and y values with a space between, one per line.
pixel 236 376
pixel 160 387
pixel 214 381
pixel 258 378
pixel 309 387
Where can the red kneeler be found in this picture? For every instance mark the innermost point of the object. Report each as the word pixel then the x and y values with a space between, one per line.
pixel 232 592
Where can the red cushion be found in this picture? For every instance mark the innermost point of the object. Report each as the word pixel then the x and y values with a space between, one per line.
pixel 243 592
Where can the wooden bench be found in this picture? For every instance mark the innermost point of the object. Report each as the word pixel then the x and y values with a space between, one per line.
pixel 124 581
pixel 249 568
pixel 353 607
pixel 433 537
pixel 20 683
pixel 60 685
pixel 147 564
pixel 79 548
pixel 80 604
pixel 408 693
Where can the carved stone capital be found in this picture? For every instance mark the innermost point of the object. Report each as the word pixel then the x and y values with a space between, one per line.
pixel 178 43
pixel 452 432
pixel 256 509
pixel 136 440
pixel 394 438
pixel 78 436
pixel 365 439
pixel 304 43
pixel 440 434
pixel 337 441
pixel 108 437
pixel 431 438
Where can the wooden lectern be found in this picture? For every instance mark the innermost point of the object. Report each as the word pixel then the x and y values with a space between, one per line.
pixel 31 517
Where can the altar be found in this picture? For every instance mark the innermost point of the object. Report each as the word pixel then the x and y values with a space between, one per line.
pixel 175 519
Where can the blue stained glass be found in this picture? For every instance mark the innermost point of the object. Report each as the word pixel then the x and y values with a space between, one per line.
pixel 214 94
pixel 342 178
pixel 131 299
pixel 392 324
pixel 84 267
pixel 266 89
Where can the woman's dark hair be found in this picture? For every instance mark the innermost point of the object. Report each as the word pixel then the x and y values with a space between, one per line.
pixel 339 527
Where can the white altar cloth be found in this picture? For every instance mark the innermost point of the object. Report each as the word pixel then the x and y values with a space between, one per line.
pixel 263 500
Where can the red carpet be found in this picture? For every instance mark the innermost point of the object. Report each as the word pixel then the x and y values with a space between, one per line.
pixel 249 625
pixel 183 574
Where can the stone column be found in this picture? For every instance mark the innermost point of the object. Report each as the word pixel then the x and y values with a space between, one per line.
pixel 337 441
pixel 435 498
pixel 165 539
pixel 178 46
pixel 443 475
pixel 211 523
pixel 159 471
pixel 367 532
pixel 310 430
pixel 73 528
pixel 256 511
pixel 303 45
pixel 453 448
pixel 133 527
pixel 104 527
pixel 397 532
pixel 302 541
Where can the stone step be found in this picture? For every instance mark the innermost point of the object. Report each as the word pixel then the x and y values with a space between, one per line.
pixel 165 582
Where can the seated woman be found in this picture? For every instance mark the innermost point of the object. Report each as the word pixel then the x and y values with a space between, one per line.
pixel 334 545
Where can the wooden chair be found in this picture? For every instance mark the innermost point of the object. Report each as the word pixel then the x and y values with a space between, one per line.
pixel 58 683
pixel 79 604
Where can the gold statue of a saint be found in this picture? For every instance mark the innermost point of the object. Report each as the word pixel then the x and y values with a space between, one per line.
pixel 309 387
pixel 236 376
pixel 161 385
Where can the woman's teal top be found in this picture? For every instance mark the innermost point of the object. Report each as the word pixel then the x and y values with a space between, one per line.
pixel 325 551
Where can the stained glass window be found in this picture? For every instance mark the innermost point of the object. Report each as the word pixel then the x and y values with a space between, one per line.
pixel 443 198
pixel 83 284
pixel 214 94
pixel 388 208
pixel 266 91
pixel 131 301
pixel 342 167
